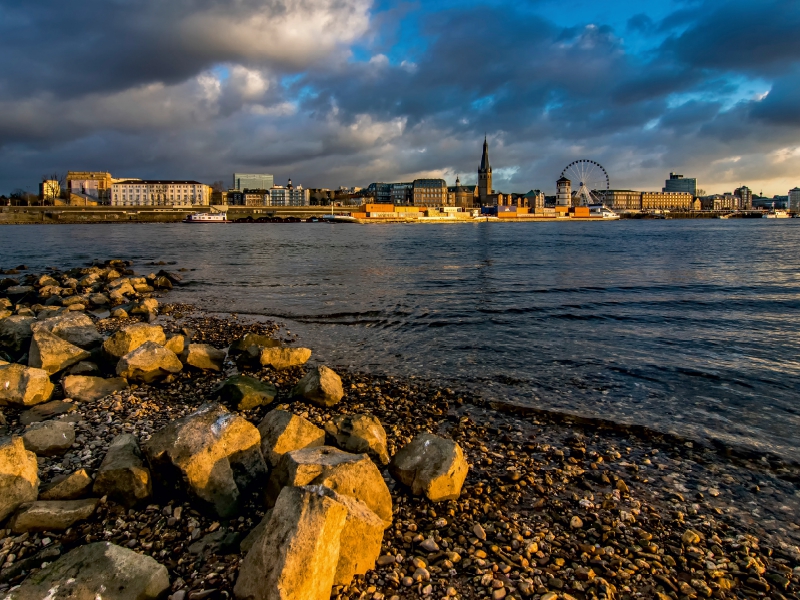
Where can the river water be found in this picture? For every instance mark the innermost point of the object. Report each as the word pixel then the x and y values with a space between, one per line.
pixel 684 326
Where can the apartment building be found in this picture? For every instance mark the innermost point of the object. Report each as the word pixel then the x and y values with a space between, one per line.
pixel 159 192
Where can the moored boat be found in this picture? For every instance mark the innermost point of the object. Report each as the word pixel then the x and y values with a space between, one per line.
pixel 776 214
pixel 217 217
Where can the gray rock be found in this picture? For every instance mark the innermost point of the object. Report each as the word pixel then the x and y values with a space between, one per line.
pixel 131 337
pixel 359 434
pixel 99 570
pixel 90 389
pixel 353 475
pixel 75 328
pixel 282 431
pixel 296 556
pixel 321 386
pixel 51 438
pixel 24 386
pixel 51 353
pixel 148 363
pixel 15 333
pixel 84 368
pixel 48 410
pixel 432 466
pixel 206 357
pixel 123 475
pixel 52 515
pixel 212 454
pixel 19 475
pixel 246 392
pixel 67 487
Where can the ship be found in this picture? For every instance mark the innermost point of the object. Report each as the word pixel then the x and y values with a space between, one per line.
pixel 776 214
pixel 200 217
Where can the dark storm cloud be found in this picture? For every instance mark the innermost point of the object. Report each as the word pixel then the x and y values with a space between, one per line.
pixel 198 88
pixel 742 36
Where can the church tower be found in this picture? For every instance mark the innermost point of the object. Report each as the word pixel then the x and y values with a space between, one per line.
pixel 485 176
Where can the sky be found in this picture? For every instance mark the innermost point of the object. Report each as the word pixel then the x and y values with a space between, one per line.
pixel 348 92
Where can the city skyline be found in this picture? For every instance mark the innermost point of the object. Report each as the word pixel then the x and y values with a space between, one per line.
pixel 347 93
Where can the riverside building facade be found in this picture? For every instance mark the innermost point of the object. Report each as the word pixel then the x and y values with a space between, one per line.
pixel 159 192
pixel 667 201
pixel 430 192
pixel 794 200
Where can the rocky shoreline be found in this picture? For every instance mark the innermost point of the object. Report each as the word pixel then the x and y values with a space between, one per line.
pixel 551 506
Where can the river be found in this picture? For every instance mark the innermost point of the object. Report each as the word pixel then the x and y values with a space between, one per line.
pixel 689 326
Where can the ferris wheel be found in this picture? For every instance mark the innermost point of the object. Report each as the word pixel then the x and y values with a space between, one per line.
pixel 589 181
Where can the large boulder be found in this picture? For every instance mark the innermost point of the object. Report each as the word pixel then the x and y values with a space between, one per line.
pixel 123 475
pixel 361 539
pixel 212 454
pixel 353 475
pixel 67 487
pixel 246 392
pixel 51 353
pixel 51 438
pixel 89 389
pixel 148 363
pixel 19 475
pixel 76 328
pixel 24 386
pixel 254 341
pixel 99 570
pixel 284 358
pixel 206 357
pixel 359 434
pixel 321 386
pixel 297 554
pixel 432 466
pixel 52 515
pixel 15 333
pixel 282 431
pixel 130 337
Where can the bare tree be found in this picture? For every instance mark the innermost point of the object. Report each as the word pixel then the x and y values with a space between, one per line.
pixel 53 187
pixel 218 186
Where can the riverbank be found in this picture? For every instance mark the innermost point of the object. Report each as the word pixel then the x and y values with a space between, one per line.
pixel 552 507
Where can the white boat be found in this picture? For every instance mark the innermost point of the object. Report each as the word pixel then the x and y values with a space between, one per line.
pixel 776 214
pixel 339 219
pixel 602 211
pixel 217 217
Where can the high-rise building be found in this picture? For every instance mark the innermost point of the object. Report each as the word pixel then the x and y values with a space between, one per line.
pixel 745 197
pixel 252 181
pixel 794 200
pixel 485 176
pixel 679 183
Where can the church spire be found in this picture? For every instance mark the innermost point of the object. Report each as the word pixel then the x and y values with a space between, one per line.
pixel 485 166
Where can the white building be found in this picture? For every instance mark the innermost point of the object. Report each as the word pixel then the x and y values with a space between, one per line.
pixel 794 200
pixel 290 195
pixel 159 192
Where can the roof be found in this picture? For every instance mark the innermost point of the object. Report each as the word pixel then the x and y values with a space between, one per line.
pixel 161 181
pixel 485 158
pixel 563 179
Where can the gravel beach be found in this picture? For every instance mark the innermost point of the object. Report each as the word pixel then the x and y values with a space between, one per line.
pixel 553 506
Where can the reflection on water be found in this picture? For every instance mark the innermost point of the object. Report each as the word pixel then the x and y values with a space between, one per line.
pixel 689 326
